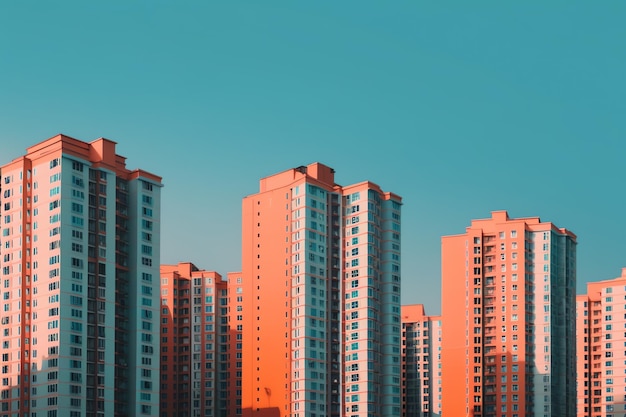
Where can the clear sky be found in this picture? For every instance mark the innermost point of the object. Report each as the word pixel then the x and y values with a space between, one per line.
pixel 462 108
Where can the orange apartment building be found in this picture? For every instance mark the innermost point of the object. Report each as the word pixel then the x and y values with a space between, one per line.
pixel 421 362
pixel 601 348
pixel 194 342
pixel 80 244
pixel 508 302
pixel 235 340
pixel 321 308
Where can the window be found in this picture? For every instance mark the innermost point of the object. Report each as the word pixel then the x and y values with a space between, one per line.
pixel 77 181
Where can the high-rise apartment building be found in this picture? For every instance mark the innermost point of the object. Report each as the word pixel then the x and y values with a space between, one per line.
pixel 508 319
pixel 80 250
pixel 421 360
pixel 601 349
pixel 321 306
pixel 235 344
pixel 584 391
pixel 194 342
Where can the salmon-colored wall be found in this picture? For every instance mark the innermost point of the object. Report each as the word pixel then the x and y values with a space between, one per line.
pixel 600 345
pixel 412 313
pixel 266 309
pixel 453 357
pixel 177 336
pixel 583 356
pixel 485 322
pixel 277 360
pixel 32 209
pixel 235 319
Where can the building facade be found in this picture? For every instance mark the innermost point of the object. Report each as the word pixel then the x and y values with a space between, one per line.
pixel 421 360
pixel 80 290
pixel 508 319
pixel 321 306
pixel 235 344
pixel 194 342
pixel 601 349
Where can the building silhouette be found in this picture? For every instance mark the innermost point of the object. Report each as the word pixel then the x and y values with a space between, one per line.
pixel 80 290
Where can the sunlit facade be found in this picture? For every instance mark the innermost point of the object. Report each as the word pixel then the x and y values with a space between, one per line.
pixel 508 319
pixel 321 308
pixel 80 251
pixel 601 349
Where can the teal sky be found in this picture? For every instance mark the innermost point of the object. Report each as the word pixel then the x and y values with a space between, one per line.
pixel 462 108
